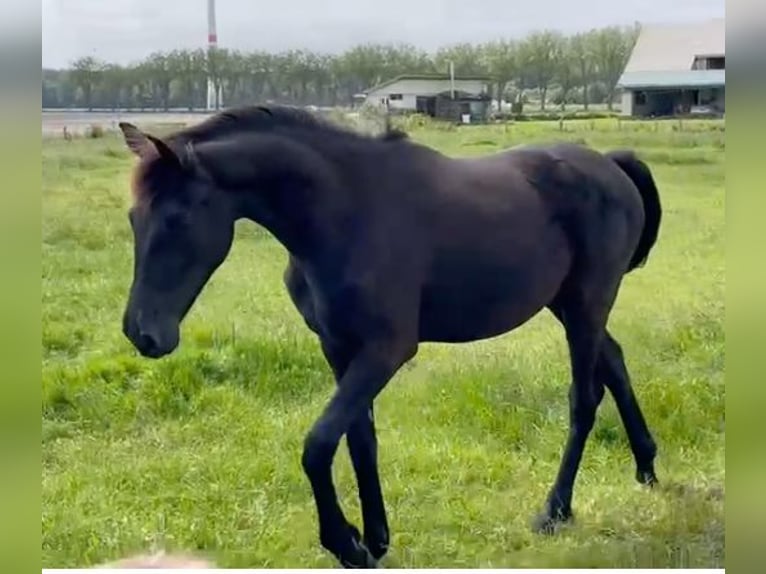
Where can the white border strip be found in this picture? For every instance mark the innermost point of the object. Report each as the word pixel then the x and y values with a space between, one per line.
pixel 440 571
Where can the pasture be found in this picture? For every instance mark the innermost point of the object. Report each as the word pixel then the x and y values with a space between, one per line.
pixel 201 451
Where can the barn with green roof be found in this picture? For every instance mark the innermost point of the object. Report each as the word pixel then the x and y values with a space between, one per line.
pixel 676 70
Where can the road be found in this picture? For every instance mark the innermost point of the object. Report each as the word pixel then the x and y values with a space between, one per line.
pixel 77 122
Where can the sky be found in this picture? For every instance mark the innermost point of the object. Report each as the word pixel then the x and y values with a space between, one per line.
pixel 123 31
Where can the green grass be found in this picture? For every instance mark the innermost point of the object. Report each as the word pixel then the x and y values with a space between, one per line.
pixel 201 451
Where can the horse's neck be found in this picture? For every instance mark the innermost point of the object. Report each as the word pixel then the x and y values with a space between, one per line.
pixel 294 196
pixel 292 230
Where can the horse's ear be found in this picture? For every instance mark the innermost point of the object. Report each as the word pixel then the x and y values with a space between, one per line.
pixel 137 141
pixel 145 145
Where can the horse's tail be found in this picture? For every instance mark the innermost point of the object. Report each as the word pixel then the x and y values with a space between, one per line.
pixel 642 178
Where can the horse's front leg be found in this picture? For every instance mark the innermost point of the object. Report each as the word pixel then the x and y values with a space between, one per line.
pixel 365 376
pixel 363 449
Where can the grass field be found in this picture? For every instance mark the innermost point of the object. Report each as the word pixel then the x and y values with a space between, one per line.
pixel 201 451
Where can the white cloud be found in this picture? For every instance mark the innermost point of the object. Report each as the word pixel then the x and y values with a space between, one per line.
pixel 125 30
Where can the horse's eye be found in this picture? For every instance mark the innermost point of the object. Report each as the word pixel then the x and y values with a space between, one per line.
pixel 175 221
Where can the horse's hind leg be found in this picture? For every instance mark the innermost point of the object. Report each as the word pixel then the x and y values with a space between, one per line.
pixel 597 361
pixel 612 371
pixel 584 319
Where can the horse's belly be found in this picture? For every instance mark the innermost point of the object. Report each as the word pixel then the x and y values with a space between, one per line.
pixel 484 300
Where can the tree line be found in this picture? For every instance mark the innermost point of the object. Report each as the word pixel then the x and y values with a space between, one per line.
pixel 551 67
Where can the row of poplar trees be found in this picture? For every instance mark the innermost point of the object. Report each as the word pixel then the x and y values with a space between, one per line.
pixel 548 66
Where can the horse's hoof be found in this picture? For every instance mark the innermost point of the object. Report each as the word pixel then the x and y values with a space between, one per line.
pixel 355 554
pixel 360 558
pixel 647 477
pixel 377 542
pixel 549 522
pixel 377 549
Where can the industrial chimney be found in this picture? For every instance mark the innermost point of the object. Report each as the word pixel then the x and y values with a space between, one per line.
pixel 214 100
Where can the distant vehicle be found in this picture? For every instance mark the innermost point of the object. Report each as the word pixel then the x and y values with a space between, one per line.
pixel 703 111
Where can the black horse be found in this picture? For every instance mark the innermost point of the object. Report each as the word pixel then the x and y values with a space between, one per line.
pixel 392 243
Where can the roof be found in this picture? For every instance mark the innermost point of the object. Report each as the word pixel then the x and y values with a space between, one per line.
pixel 673 79
pixel 434 77
pixel 666 48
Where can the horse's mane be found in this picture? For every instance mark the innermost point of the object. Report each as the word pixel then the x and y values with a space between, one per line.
pixel 255 118
pixel 268 118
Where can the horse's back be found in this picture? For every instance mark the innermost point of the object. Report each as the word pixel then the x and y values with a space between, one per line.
pixel 519 222
pixel 498 254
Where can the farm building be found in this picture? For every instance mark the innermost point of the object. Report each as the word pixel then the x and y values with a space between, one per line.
pixel 435 95
pixel 676 69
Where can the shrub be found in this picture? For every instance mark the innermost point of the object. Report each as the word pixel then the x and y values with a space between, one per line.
pixel 553 115
pixel 95 131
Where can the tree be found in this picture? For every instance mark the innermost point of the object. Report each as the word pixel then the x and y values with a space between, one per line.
pixel 566 70
pixel 581 47
pixel 86 74
pixel 468 60
pixel 259 78
pixel 324 80
pixel 406 59
pixel 362 67
pixel 233 71
pixel 215 69
pixel 540 53
pixel 502 64
pixel 611 48
pixel 113 85
pixel 593 60
pixel 188 70
pixel 58 90
pixel 160 75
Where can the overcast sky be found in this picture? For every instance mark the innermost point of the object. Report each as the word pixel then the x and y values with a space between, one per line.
pixel 127 30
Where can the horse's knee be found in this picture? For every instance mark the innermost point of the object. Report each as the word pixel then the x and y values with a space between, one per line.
pixel 318 450
pixel 583 403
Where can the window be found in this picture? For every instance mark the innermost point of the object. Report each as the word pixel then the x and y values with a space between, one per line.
pixel 394 96
pixel 639 98
pixel 709 63
pixel 717 63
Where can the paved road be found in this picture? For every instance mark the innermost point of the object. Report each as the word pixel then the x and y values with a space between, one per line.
pixel 78 122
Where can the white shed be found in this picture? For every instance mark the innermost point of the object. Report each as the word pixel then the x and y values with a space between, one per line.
pixel 416 92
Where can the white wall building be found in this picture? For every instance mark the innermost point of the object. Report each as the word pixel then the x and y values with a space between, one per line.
pixel 676 69
pixel 416 92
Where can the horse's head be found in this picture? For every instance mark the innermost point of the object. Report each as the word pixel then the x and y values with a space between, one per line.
pixel 182 228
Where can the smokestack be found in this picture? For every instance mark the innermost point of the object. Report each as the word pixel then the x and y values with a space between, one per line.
pixel 212 34
pixel 214 100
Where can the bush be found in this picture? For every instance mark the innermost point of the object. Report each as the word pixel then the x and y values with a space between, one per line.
pixel 415 120
pixel 95 131
pixel 553 115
